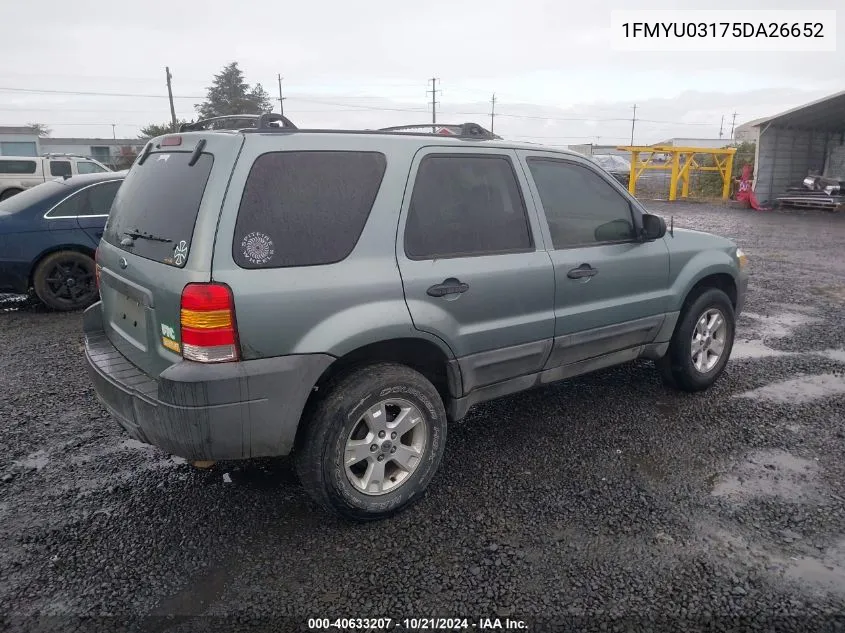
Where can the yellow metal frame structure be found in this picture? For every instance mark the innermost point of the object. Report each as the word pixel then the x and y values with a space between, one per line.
pixel 682 161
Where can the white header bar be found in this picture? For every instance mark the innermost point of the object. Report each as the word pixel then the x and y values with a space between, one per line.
pixel 723 30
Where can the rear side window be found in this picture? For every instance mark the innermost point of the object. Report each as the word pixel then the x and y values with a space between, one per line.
pixel 156 207
pixel 60 168
pixel 305 208
pixel 91 201
pixel 464 206
pixel 17 166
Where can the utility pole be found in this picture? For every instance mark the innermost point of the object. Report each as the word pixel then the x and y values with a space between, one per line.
pixel 492 111
pixel 733 123
pixel 113 133
pixel 281 98
pixel 721 125
pixel 170 96
pixel 633 121
pixel 433 92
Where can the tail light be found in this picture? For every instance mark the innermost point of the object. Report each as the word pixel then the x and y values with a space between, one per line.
pixel 207 318
pixel 97 267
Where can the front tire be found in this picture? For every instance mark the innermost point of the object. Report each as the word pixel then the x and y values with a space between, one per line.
pixel 372 444
pixel 9 193
pixel 702 342
pixel 66 281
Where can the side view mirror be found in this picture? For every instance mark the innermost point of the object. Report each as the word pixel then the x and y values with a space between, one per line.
pixel 654 227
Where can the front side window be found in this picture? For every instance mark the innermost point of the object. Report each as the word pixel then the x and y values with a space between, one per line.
pixel 86 167
pixel 582 209
pixel 60 168
pixel 305 208
pixel 465 205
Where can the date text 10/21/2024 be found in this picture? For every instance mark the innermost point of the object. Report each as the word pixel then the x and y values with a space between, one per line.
pixel 417 624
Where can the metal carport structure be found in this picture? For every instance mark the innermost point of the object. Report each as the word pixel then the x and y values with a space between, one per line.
pixel 790 144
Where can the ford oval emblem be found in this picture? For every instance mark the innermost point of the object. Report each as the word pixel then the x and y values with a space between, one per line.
pixel 123 263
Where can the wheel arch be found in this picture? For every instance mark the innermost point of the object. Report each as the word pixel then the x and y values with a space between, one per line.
pixel 420 354
pixel 719 280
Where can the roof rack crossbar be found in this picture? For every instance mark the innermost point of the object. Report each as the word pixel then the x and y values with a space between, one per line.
pixel 462 130
pixel 258 121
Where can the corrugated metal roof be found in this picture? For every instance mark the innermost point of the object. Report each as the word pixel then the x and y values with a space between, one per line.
pixel 826 114
pixel 14 129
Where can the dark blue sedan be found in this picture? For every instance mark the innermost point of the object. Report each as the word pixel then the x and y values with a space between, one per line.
pixel 48 236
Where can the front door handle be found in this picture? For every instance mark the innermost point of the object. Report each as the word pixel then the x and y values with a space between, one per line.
pixel 584 270
pixel 449 286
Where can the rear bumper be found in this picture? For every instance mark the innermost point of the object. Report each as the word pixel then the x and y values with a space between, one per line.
pixel 197 411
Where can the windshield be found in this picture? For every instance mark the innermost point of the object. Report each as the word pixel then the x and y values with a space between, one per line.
pixel 156 208
pixel 33 195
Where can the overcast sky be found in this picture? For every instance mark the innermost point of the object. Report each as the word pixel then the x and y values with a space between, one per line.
pixel 366 64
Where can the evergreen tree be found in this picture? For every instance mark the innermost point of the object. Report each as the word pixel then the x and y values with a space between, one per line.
pixel 231 94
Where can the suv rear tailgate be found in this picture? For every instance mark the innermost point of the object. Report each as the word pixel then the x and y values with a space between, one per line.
pixel 159 237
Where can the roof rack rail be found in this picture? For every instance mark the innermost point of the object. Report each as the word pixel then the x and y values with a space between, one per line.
pixel 236 122
pixel 462 130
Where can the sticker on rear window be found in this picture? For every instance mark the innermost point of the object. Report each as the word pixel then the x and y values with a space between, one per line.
pixel 180 253
pixel 257 248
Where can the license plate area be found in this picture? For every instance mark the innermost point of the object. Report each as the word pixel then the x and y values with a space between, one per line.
pixel 129 318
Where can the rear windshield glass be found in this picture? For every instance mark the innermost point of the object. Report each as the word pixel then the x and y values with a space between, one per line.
pixel 305 208
pixel 154 212
pixel 38 194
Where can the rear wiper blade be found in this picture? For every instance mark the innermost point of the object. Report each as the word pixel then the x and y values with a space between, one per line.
pixel 145 236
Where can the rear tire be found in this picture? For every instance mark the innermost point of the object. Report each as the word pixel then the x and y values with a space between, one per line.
pixel 66 281
pixel 354 421
pixel 9 193
pixel 702 342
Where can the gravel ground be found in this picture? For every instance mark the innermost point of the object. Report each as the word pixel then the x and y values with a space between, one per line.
pixel 603 503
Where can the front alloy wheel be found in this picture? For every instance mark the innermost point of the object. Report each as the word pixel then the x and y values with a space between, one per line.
pixel 708 340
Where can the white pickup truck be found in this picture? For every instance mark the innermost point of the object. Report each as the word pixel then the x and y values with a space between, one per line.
pixel 22 172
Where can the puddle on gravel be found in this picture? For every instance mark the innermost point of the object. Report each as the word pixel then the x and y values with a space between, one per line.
pixel 770 473
pixel 799 389
pixel 754 349
pixel 124 445
pixel 35 461
pixel 824 573
pixel 780 325
pixel 827 572
pixel 834 354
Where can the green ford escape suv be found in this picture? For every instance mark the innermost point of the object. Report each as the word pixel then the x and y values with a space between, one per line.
pixel 342 296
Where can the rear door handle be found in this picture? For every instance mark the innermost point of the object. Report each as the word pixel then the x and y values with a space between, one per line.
pixel 448 287
pixel 584 270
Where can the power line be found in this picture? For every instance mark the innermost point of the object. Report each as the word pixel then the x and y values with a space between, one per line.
pixel 95 94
